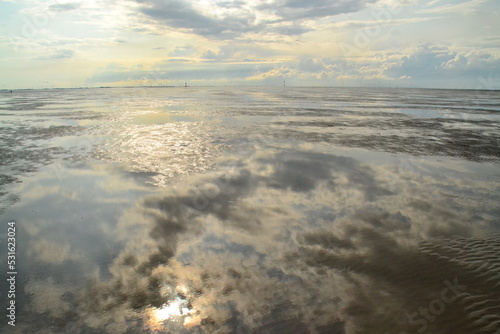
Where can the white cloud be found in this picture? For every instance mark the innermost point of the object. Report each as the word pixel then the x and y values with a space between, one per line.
pixel 463 8
pixel 431 65
pixel 182 51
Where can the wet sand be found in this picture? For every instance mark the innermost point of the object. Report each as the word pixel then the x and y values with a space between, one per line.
pixel 212 210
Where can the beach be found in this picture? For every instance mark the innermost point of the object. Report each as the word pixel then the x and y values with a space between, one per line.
pixel 251 210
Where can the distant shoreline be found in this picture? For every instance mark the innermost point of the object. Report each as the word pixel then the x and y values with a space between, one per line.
pixel 5 90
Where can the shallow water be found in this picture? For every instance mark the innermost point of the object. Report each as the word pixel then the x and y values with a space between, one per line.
pixel 252 210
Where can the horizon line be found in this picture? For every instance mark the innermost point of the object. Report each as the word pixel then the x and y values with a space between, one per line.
pixel 241 86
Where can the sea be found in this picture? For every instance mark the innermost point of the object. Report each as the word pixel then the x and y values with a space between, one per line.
pixel 250 210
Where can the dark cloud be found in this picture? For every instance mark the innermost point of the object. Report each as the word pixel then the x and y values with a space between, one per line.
pixel 63 7
pixel 290 10
pixel 179 14
pixel 291 29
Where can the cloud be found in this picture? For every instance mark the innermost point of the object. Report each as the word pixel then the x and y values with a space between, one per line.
pixel 182 51
pixel 311 65
pixel 289 29
pixel 289 240
pixel 374 37
pixel 224 19
pixel 224 53
pixel 423 61
pixel 173 71
pixel 463 8
pixel 59 54
pixel 182 15
pixel 441 62
pixel 63 7
pixel 290 10
pixel 427 65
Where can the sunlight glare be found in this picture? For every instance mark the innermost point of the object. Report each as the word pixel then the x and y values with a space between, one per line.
pixel 174 309
pixel 171 311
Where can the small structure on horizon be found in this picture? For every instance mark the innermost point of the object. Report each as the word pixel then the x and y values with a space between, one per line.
pixel 185 84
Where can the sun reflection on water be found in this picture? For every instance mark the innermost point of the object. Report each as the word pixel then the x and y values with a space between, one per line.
pixel 174 311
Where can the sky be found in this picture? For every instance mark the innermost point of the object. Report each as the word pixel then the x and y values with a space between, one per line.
pixel 373 43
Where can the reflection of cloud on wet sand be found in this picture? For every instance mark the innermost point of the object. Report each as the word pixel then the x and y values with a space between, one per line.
pixel 297 242
pixel 52 253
